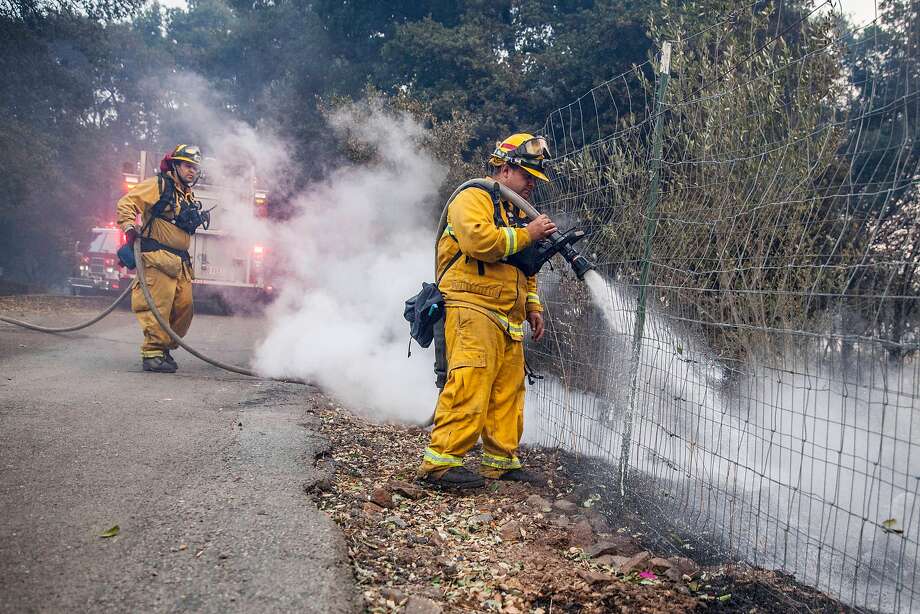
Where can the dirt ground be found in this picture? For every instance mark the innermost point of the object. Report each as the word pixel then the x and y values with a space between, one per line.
pixel 41 304
pixel 510 547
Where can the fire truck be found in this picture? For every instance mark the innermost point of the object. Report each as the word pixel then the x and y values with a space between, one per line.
pixel 97 270
pixel 229 270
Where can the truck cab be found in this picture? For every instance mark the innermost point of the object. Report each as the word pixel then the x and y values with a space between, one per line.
pixel 97 270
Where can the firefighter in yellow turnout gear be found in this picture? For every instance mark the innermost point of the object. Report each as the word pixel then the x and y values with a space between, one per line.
pixel 169 216
pixel 487 300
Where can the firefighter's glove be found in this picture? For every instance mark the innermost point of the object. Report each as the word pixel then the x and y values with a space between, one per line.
pixel 126 252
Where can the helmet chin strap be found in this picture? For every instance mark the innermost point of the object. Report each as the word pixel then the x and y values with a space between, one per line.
pixel 175 170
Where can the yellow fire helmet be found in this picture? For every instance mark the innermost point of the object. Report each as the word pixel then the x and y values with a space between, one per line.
pixel 525 150
pixel 187 153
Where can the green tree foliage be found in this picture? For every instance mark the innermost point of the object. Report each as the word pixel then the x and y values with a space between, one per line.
pixel 59 109
pixel 510 64
pixel 746 227
pixel 884 154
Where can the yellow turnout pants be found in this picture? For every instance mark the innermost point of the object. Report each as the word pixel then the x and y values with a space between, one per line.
pixel 483 396
pixel 173 299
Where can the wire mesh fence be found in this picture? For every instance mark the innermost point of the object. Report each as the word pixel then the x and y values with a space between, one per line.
pixel 745 362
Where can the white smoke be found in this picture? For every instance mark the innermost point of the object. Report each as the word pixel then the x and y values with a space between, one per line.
pixel 791 463
pixel 360 243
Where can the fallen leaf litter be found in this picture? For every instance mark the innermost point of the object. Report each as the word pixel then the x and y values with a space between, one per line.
pixel 509 547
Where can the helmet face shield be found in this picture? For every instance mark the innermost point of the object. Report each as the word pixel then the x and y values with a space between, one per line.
pixel 533 148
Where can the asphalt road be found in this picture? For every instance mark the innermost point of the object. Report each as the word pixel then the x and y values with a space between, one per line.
pixel 203 471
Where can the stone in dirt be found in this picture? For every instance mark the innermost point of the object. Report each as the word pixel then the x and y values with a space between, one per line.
pixel 406 490
pixel 382 497
pixel 371 509
pixel 637 560
pixel 581 534
pixel 481 519
pixel 620 545
pixel 594 577
pixel 660 563
pixel 448 566
pixel 611 560
pixel 392 594
pixel 684 565
pixel 510 530
pixel 422 605
pixel 673 574
pixel 565 506
pixel 396 520
pixel 598 522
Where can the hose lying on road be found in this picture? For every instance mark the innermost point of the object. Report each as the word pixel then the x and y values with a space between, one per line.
pixel 142 281
pixel 69 329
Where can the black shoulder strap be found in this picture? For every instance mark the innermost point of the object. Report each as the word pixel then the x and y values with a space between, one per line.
pixel 453 259
pixel 167 194
pixel 495 194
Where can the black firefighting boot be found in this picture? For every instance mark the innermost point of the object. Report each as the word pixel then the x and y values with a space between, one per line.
pixel 168 358
pixel 158 364
pixel 455 478
pixel 522 475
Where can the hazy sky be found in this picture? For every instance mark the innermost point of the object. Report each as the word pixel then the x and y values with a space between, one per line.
pixel 860 10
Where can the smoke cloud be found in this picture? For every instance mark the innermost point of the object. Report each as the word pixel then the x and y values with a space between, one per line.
pixel 360 243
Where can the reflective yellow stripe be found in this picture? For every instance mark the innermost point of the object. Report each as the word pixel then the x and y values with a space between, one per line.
pixel 533 298
pixel 444 460
pixel 516 331
pixel 510 241
pixel 500 462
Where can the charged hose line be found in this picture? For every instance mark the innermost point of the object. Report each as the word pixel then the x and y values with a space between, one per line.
pixel 75 327
pixel 142 281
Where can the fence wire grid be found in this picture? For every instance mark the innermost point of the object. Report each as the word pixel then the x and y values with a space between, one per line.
pixel 746 358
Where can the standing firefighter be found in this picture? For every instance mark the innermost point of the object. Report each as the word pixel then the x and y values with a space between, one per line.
pixel 169 217
pixel 487 298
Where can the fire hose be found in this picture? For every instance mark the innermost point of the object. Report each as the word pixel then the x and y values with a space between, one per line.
pixel 142 282
pixel 75 327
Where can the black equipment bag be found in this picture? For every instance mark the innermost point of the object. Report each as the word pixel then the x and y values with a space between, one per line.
pixel 426 308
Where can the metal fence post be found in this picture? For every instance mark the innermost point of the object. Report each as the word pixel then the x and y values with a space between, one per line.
pixel 651 223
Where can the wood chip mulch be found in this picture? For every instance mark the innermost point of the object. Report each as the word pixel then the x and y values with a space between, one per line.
pixel 509 547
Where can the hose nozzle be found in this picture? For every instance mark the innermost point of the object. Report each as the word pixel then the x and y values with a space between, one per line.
pixel 563 244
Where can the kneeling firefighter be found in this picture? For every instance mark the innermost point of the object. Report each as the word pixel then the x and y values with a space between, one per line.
pixel 169 217
pixel 487 296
